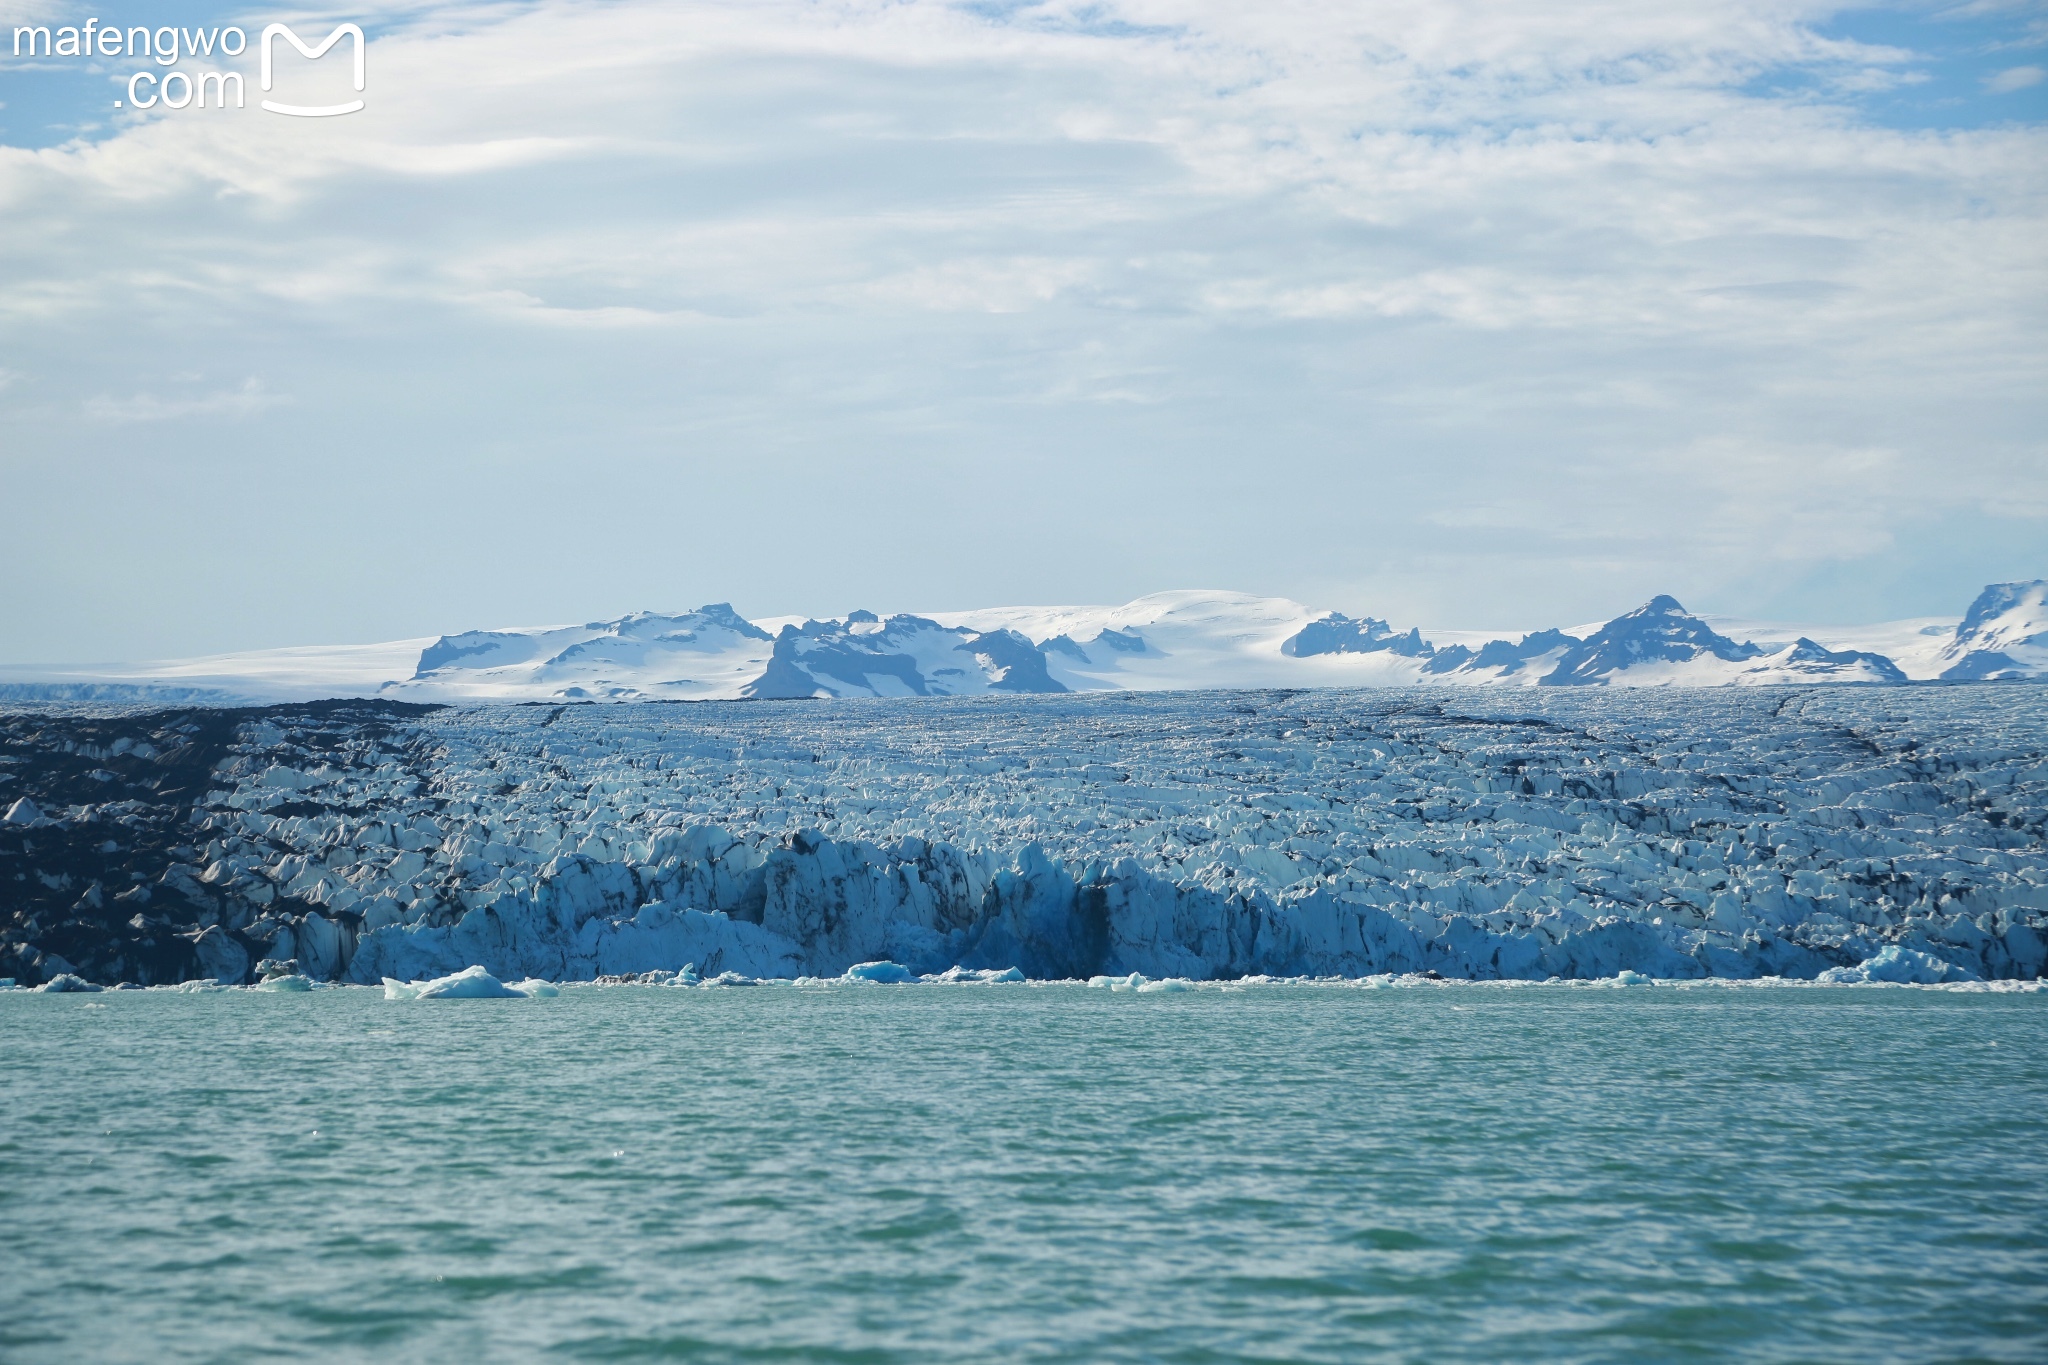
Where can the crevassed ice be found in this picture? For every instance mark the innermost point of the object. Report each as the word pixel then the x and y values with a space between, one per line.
pixel 1196 836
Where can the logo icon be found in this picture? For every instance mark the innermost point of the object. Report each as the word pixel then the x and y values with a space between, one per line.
pixel 312 54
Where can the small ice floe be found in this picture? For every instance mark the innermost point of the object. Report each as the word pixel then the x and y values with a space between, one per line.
pixel 1625 977
pixel 731 979
pixel 64 982
pixel 882 973
pixel 687 976
pixel 290 983
pixel 471 983
pixel 1118 983
pixel 1172 985
pixel 985 977
pixel 1897 966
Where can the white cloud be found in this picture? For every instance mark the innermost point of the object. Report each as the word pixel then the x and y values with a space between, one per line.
pixel 1295 294
pixel 248 398
pixel 2015 78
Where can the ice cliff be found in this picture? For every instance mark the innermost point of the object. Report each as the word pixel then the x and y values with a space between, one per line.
pixel 1529 833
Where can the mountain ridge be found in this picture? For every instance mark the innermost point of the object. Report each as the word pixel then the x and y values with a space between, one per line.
pixel 1178 640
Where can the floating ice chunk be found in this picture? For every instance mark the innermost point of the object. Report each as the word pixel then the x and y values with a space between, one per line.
pixel 1899 966
pixel 1625 977
pixel 1134 981
pixel 65 982
pixel 535 988
pixel 732 979
pixel 884 973
pixel 471 983
pixel 1172 985
pixel 287 984
pixel 986 977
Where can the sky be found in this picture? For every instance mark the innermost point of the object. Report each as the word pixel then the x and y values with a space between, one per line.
pixel 1466 314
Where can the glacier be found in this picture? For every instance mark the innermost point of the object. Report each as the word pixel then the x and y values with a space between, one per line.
pixel 1490 834
pixel 1163 642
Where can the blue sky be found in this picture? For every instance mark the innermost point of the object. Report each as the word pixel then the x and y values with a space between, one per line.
pixel 1472 315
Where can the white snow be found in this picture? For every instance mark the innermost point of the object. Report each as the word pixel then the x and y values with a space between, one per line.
pixel 1915 643
pixel 264 675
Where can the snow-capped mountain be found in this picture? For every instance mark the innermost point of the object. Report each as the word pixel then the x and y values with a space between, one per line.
pixel 2003 635
pixel 1165 641
pixel 1660 642
pixel 904 656
pixel 710 652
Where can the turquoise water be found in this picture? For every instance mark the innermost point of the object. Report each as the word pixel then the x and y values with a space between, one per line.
pixel 946 1173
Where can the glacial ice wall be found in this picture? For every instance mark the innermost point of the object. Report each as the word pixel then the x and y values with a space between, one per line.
pixel 1205 835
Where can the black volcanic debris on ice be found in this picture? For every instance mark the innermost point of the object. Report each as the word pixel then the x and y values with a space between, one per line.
pixel 1738 833
pixel 113 890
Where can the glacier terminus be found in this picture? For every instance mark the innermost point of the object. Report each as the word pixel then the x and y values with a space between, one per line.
pixel 1882 833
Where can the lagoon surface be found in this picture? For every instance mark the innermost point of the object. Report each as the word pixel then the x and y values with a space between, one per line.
pixel 926 1173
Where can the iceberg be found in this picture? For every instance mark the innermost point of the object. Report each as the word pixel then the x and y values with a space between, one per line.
pixel 471 983
pixel 1897 966
pixel 987 976
pixel 882 973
